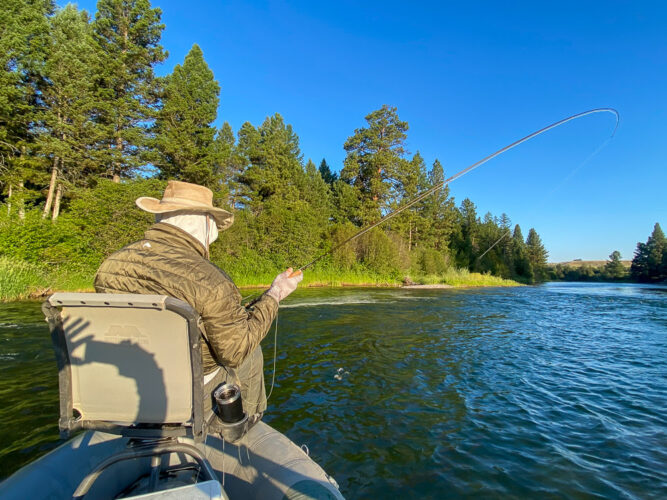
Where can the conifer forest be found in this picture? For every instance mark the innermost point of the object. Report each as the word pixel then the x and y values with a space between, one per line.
pixel 86 127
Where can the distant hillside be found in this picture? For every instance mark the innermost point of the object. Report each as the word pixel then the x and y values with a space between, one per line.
pixel 591 263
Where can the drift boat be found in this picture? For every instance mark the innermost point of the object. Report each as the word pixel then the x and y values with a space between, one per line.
pixel 130 378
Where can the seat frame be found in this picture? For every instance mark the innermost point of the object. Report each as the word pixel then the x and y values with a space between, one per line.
pixel 68 422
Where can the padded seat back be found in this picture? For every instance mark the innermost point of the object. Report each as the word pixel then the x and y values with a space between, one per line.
pixel 127 362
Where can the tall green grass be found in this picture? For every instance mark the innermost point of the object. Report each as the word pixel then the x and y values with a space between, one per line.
pixel 334 277
pixel 21 280
pixel 18 279
pixel 319 277
pixel 463 277
pixel 72 279
pixel 361 277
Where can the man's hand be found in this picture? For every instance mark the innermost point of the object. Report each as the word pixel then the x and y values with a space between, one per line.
pixel 284 284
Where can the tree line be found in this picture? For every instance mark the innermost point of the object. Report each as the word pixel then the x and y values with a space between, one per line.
pixel 612 270
pixel 649 264
pixel 84 120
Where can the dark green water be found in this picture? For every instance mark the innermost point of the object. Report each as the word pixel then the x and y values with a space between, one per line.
pixel 558 391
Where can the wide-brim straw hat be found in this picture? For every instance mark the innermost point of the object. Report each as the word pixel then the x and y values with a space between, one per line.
pixel 185 197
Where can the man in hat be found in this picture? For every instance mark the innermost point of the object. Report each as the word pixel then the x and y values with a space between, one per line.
pixel 172 259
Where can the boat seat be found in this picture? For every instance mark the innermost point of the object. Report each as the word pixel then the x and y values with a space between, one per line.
pixel 128 364
pixel 131 365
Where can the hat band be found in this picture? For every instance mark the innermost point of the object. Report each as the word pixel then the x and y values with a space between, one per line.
pixel 185 201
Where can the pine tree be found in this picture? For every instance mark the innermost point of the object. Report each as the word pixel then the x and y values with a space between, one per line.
pixel 523 268
pixel 410 180
pixel 127 35
pixel 24 36
pixel 505 245
pixel 374 157
pixel 439 211
pixel 346 203
pixel 273 160
pixel 317 191
pixel 649 260
pixel 184 134
pixel 326 173
pixel 657 247
pixel 466 242
pixel 537 254
pixel 614 269
pixel 639 267
pixel 230 165
pixel 288 223
pixel 490 257
pixel 68 135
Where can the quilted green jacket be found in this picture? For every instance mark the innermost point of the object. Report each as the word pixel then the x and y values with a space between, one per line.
pixel 169 261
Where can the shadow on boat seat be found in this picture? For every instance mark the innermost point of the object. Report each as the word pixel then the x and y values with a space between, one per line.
pixel 131 365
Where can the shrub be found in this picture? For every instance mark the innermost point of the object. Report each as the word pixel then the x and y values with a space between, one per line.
pixel 378 253
pixel 429 261
pixel 345 257
pixel 248 268
pixel 105 218
pixel 97 222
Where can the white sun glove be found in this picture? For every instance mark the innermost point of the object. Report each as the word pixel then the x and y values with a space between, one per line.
pixel 283 285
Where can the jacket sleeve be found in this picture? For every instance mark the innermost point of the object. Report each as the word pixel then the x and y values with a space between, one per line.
pixel 234 331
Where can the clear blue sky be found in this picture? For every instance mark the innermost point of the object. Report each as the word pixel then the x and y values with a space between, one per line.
pixel 468 79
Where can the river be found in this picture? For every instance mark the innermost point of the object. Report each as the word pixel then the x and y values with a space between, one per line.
pixel 554 391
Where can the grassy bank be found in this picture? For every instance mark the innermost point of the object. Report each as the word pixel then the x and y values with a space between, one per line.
pixel 333 278
pixel 23 280
pixel 19 279
pixel 463 278
pixel 322 277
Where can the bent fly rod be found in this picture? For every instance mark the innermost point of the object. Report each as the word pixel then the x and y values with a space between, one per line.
pixel 470 168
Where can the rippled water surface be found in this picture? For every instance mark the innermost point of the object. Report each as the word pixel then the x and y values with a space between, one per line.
pixel 556 391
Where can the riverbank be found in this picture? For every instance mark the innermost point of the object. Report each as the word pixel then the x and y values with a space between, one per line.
pixel 321 278
pixel 24 280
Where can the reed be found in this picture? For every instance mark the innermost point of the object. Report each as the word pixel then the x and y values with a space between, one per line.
pixel 19 279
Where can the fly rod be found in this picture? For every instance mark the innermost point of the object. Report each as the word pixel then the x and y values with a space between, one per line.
pixel 442 184
pixel 506 233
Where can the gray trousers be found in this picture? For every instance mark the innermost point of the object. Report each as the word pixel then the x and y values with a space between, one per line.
pixel 249 375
